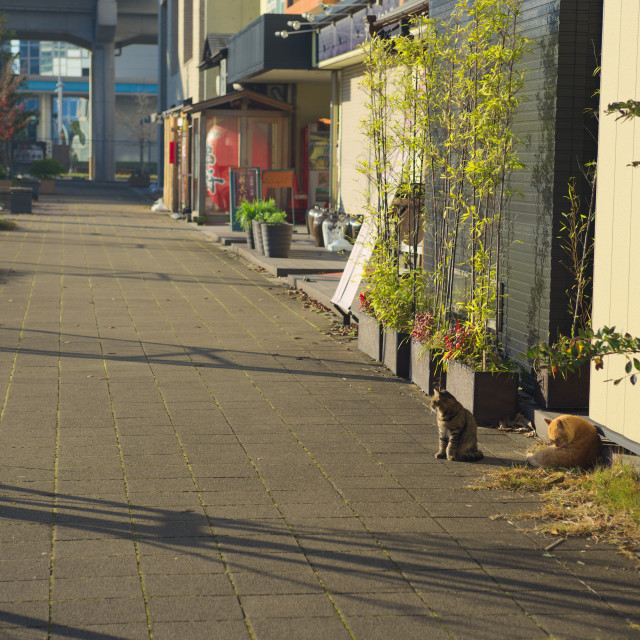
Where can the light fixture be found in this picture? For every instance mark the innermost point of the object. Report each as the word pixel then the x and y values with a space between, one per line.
pixel 294 24
pixel 282 34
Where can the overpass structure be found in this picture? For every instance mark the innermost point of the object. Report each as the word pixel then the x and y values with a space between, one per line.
pixel 102 26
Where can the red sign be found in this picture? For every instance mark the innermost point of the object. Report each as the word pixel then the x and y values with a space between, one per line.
pixel 172 153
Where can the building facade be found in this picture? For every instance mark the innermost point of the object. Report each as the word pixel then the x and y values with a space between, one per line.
pixel 57 78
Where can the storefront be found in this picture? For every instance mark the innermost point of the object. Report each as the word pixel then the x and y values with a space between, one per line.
pixel 241 129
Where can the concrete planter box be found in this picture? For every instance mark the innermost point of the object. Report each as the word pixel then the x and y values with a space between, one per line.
pixel 396 352
pixel 21 200
pixel 33 184
pixel 369 336
pixel 489 396
pixel 5 198
pixel 563 392
pixel 426 371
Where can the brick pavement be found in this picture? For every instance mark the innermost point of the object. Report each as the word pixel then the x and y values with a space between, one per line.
pixel 184 453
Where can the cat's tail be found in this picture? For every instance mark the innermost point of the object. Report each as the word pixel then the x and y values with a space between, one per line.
pixel 471 455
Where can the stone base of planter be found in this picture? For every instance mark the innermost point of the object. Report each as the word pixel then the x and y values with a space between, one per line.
pixel 563 392
pixel 396 352
pixel 425 370
pixel 47 186
pixel 369 336
pixel 489 396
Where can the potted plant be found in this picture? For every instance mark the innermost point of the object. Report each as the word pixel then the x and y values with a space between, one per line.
pixel 46 170
pixel 394 294
pixel 251 215
pixel 246 213
pixel 567 386
pixel 478 375
pixel 277 234
pixel 426 354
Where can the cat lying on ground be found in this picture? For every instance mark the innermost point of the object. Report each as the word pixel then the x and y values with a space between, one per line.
pixel 574 443
pixel 457 429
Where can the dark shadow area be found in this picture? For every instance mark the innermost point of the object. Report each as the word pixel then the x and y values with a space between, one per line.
pixel 173 350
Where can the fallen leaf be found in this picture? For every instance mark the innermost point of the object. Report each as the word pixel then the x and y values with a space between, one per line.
pixel 89 376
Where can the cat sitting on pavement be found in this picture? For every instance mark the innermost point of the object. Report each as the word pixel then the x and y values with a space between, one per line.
pixel 457 429
pixel 574 443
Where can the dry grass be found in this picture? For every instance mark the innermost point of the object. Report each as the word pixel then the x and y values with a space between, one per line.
pixel 602 503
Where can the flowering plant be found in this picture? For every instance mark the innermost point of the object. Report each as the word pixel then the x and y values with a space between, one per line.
pixel 365 304
pixel 472 345
pixel 424 327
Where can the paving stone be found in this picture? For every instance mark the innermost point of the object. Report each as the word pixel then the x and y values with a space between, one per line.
pixel 194 608
pixel 234 411
pixel 79 612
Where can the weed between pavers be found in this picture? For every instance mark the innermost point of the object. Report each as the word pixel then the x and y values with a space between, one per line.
pixel 602 503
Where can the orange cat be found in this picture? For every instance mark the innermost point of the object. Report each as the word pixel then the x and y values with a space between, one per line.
pixel 574 443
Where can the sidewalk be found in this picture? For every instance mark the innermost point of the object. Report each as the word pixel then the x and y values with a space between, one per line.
pixel 185 453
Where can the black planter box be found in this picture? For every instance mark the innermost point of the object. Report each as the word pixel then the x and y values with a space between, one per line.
pixel 426 371
pixel 276 239
pixel 369 336
pixel 21 200
pixel 251 243
pixel 563 392
pixel 396 352
pixel 489 396
pixel 257 236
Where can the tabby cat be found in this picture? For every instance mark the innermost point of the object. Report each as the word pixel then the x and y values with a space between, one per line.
pixel 574 443
pixel 457 429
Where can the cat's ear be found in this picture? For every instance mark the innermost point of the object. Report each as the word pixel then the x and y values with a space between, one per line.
pixel 548 421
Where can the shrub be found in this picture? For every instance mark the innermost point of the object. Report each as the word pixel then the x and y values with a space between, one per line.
pixel 46 169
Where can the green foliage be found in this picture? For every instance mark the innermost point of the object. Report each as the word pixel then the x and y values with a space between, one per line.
pixel 46 169
pixel 275 217
pixel 576 234
pixel 260 210
pixel 568 354
pixel 441 151
pixel 393 296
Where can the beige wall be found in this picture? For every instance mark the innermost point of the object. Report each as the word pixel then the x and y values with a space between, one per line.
pixel 221 16
pixel 616 299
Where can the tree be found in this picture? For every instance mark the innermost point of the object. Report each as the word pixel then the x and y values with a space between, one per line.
pixel 12 115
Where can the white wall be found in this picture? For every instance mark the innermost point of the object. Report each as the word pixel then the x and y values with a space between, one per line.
pixel 616 298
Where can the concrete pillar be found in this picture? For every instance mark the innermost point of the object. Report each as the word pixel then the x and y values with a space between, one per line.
pixel 103 92
pixel 163 74
pixel 103 108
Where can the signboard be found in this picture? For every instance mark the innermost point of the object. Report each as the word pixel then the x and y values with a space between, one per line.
pixel 354 270
pixel 276 178
pixel 281 179
pixel 245 185
pixel 24 154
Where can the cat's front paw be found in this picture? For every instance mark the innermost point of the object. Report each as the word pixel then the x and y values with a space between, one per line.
pixel 441 454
